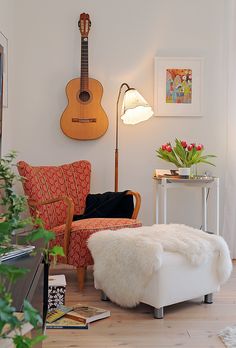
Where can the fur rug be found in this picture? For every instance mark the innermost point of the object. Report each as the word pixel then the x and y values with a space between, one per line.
pixel 228 336
pixel 125 259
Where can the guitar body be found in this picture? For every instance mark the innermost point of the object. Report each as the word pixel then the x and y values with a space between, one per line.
pixel 84 117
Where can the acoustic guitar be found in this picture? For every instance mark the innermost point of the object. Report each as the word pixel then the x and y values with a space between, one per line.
pixel 84 117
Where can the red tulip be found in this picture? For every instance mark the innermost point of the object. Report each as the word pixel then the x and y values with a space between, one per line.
pixel 199 147
pixel 193 144
pixel 190 147
pixel 184 144
pixel 163 147
pixel 168 148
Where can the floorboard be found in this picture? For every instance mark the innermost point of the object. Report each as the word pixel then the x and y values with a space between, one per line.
pixel 189 324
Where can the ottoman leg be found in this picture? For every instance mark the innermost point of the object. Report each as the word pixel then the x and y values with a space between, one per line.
pixel 104 296
pixel 159 313
pixel 208 298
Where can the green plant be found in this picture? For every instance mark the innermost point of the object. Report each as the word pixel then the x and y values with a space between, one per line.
pixel 182 154
pixel 11 222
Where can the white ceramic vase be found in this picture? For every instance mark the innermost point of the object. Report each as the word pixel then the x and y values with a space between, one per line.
pixel 184 173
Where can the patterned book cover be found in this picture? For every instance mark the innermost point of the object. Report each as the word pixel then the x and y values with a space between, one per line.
pixel 87 314
pixel 66 323
pixel 57 313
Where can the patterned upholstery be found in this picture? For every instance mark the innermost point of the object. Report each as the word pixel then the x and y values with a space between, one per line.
pixel 46 182
pixel 72 180
pixel 79 254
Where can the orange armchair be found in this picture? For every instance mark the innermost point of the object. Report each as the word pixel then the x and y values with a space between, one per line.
pixel 56 193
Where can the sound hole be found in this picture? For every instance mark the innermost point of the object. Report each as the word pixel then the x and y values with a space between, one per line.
pixel 84 96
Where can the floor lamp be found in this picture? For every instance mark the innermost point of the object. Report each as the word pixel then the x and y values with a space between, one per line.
pixel 135 109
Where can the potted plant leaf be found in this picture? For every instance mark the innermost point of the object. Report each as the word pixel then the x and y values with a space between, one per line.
pixel 11 222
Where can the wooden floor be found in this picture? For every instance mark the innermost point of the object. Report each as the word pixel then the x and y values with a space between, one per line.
pixel 189 324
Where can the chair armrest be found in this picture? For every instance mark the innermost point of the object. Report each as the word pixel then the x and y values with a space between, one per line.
pixel 137 203
pixel 69 216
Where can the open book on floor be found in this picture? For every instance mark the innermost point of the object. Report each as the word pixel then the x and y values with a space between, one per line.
pixel 87 314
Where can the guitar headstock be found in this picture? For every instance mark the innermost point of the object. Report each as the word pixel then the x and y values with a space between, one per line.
pixel 84 24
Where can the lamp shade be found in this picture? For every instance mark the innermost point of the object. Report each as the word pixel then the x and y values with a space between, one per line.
pixel 135 108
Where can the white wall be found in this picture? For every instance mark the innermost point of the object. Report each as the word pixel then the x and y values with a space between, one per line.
pixel 7 25
pixel 125 37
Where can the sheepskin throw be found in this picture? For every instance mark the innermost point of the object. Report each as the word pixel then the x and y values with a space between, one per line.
pixel 125 259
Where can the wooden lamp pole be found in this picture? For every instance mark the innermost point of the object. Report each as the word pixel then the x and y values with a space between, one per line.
pixel 117 134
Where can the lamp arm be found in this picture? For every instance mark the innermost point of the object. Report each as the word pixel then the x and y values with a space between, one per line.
pixel 117 134
pixel 117 110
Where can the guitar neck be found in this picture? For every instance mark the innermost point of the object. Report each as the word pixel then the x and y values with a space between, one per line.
pixel 84 64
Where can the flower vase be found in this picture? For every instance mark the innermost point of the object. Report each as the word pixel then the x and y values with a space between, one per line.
pixel 184 173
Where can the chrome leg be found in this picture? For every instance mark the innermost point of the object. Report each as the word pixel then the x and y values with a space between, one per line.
pixel 208 298
pixel 159 313
pixel 104 296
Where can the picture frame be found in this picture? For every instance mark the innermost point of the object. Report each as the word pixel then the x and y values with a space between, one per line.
pixel 4 44
pixel 178 86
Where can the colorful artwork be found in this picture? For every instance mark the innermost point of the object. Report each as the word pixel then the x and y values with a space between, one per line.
pixel 179 86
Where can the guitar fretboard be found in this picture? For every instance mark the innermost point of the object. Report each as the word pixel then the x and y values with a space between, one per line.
pixel 84 64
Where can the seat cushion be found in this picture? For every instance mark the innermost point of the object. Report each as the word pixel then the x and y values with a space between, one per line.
pixel 79 254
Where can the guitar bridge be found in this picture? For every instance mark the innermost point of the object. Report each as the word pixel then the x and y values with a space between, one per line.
pixel 84 120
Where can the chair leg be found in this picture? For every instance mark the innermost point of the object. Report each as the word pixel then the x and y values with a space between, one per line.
pixel 159 313
pixel 208 298
pixel 81 277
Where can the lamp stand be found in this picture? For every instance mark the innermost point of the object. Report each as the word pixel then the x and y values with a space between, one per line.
pixel 117 134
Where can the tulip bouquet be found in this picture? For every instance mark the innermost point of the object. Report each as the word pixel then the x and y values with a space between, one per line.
pixel 183 155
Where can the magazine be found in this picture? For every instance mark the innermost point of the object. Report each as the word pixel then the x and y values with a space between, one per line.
pixel 66 323
pixel 57 313
pixel 87 314
pixel 17 250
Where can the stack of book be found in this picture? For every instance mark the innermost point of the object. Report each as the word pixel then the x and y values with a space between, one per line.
pixel 16 251
pixel 76 317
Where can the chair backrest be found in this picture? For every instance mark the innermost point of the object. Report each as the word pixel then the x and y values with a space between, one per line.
pixel 43 183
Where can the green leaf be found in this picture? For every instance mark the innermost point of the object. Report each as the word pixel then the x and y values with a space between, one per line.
pixel 12 272
pixel 6 310
pixel 206 162
pixel 57 251
pixel 4 227
pixel 31 315
pixel 22 341
pixel 27 342
pixel 40 233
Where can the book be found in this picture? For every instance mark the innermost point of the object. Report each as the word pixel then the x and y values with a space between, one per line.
pixel 66 323
pixel 17 250
pixel 87 314
pixel 57 313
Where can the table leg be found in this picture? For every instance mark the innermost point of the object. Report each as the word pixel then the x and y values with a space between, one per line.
pixel 204 209
pixel 157 202
pixel 164 200
pixel 217 182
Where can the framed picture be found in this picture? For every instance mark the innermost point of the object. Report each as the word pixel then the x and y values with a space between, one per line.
pixel 178 86
pixel 4 61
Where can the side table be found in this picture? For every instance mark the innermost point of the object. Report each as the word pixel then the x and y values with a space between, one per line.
pixel 165 183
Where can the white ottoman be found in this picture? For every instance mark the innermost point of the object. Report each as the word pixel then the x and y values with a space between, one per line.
pixel 177 280
pixel 159 265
